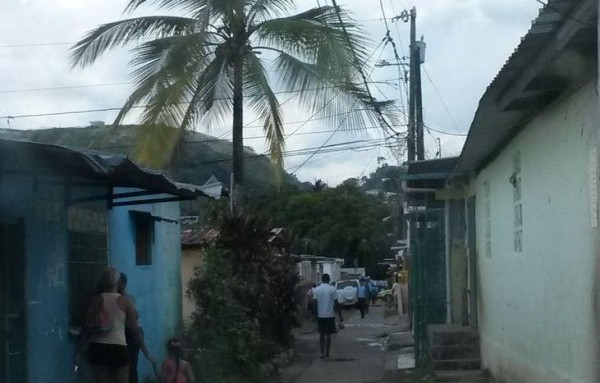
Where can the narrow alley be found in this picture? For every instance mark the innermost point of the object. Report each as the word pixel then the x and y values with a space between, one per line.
pixel 366 350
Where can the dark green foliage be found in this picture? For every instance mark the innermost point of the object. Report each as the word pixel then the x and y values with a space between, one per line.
pixel 246 302
pixel 341 222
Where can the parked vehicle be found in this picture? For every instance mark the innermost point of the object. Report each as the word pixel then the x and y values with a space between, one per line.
pixel 347 292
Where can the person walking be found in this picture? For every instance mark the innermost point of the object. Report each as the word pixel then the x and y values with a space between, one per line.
pixel 397 294
pixel 109 313
pixel 362 297
pixel 133 347
pixel 325 301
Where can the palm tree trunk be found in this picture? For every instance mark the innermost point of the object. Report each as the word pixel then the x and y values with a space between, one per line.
pixel 238 136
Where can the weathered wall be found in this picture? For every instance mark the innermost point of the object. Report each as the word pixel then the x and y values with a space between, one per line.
pixel 191 258
pixel 536 309
pixel 457 254
pixel 41 206
pixel 156 288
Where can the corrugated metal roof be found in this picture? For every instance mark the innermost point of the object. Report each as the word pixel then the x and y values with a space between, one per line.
pixel 528 81
pixel 112 169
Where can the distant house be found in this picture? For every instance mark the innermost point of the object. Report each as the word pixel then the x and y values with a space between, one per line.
pixel 312 267
pixel 65 215
pixel 528 186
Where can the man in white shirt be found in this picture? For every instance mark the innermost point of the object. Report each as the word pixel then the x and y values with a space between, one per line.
pixel 326 305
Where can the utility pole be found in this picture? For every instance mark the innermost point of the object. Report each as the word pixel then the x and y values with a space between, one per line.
pixel 419 53
pixel 412 89
pixel 416 146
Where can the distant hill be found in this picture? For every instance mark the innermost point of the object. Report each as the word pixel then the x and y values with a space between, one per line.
pixel 202 156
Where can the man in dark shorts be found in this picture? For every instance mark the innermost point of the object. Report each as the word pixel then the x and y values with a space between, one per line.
pixel 326 304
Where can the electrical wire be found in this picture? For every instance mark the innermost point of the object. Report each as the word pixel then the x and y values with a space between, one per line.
pixel 435 88
pixel 357 64
pixel 46 114
pixel 60 87
pixel 342 122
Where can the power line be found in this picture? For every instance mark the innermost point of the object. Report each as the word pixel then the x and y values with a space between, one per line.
pixel 342 122
pixel 291 134
pixel 37 44
pixel 62 43
pixel 64 87
pixel 388 39
pixel 60 87
pixel 441 98
pixel 358 67
pixel 119 108
pixel 332 148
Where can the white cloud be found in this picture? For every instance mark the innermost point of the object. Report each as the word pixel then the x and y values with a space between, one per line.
pixel 467 43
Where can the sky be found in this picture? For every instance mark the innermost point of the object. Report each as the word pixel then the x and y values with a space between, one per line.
pixel 468 41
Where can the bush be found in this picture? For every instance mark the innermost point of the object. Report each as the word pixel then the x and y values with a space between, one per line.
pixel 246 303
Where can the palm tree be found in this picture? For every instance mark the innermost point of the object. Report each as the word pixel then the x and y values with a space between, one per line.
pixel 210 62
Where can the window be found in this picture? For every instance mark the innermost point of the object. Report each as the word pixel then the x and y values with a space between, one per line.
pixel 88 257
pixel 144 231
pixel 516 182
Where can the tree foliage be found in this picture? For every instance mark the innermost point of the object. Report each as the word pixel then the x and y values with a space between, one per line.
pixel 341 222
pixel 246 302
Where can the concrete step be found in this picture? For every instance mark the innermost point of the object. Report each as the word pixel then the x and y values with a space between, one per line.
pixel 454 352
pixel 467 337
pixel 469 376
pixel 457 364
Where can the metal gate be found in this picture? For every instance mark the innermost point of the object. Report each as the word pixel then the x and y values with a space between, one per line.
pixel 428 274
pixel 13 353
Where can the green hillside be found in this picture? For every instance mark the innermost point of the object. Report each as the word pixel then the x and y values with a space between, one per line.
pixel 201 157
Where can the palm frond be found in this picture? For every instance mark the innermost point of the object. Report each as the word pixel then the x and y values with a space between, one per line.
pixel 120 33
pixel 265 104
pixel 212 96
pixel 161 62
pixel 309 34
pixel 261 10
pixel 184 5
pixel 155 145
pixel 343 101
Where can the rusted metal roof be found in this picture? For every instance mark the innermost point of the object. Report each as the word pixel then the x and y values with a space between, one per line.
pixel 115 170
pixel 533 77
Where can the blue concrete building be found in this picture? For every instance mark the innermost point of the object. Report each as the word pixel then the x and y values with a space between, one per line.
pixel 65 215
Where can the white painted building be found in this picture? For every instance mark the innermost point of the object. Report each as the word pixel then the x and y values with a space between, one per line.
pixel 531 166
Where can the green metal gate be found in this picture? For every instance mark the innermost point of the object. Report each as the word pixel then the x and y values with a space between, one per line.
pixel 428 274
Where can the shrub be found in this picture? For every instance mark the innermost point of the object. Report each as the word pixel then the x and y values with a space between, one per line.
pixel 246 303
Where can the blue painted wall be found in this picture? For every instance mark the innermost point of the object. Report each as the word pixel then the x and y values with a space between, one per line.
pixel 156 287
pixel 50 352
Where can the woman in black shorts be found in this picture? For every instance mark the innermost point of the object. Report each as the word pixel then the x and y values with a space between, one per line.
pixel 107 351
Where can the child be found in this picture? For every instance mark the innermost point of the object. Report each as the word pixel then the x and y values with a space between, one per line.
pixel 174 369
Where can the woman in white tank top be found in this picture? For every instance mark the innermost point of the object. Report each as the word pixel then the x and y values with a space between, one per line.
pixel 108 348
